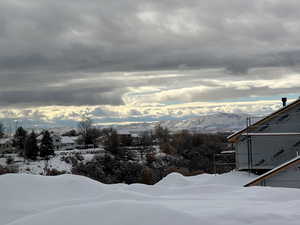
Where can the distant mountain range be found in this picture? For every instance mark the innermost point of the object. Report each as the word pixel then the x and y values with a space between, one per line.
pixel 220 122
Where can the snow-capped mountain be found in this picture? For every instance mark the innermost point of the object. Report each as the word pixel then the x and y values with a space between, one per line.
pixel 220 122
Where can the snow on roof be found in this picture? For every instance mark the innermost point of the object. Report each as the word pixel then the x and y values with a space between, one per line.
pixel 272 172
pixel 74 138
pixel 228 152
pixel 67 140
pixel 4 140
pixel 40 137
pixel 123 132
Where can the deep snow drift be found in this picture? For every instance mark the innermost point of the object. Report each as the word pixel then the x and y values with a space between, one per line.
pixel 176 200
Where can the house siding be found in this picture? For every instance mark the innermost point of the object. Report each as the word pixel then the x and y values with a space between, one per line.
pixel 271 151
pixel 289 177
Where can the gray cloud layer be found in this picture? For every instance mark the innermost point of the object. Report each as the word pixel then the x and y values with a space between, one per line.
pixel 46 45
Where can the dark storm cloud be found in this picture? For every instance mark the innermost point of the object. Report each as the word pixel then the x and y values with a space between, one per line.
pixel 45 44
pixel 67 97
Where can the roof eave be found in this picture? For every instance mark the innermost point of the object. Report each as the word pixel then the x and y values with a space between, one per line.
pixel 273 172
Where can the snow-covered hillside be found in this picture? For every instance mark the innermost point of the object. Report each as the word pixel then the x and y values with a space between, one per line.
pixel 176 200
pixel 221 122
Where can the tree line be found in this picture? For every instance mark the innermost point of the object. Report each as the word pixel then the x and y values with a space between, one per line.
pixel 28 147
pixel 184 152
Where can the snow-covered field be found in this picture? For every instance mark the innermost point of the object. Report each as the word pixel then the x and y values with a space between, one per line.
pixel 176 200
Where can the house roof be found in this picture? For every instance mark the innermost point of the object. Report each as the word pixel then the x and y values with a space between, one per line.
pixel 123 132
pixel 135 135
pixel 40 137
pixel 67 140
pixel 274 171
pixel 4 140
pixel 234 137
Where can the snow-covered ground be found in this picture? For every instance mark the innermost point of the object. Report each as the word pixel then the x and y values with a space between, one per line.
pixel 57 162
pixel 176 200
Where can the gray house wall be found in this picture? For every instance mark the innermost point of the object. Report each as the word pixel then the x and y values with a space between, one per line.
pixel 271 151
pixel 286 178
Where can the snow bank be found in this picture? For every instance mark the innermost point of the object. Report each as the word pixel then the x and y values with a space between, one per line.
pixel 176 200
pixel 118 212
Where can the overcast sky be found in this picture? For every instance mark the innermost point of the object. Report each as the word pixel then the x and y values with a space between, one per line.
pixel 141 60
